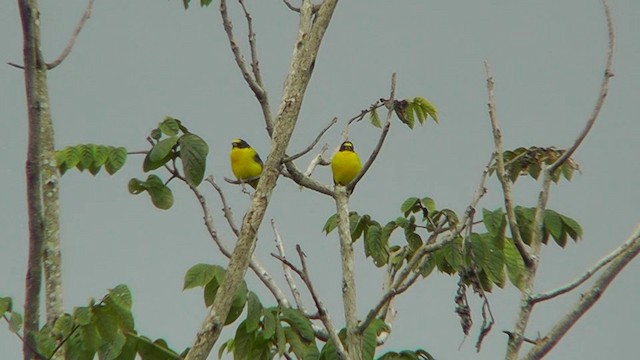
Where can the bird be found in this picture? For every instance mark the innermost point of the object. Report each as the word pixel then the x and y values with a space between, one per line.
pixel 245 162
pixel 345 164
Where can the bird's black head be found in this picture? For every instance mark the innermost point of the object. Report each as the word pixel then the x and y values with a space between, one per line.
pixel 239 143
pixel 346 146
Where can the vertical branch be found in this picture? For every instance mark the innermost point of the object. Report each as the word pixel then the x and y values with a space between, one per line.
pixel 504 181
pixel 38 109
pixel 528 301
pixel 305 51
pixel 354 339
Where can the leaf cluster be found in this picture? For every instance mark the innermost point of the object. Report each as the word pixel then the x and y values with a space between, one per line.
pixel 418 108
pixel 91 157
pixel 105 329
pixel 530 161
pixel 483 259
pixel 171 141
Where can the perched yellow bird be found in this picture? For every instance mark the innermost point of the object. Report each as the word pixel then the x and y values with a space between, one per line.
pixel 245 162
pixel 345 164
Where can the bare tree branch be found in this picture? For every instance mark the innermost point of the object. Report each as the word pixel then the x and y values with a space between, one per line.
pixel 504 181
pixel 589 273
pixel 305 51
pixel 74 36
pixel 515 341
pixel 255 82
pixel 287 274
pixel 383 135
pixel 588 299
pixel 322 310
pixel 313 144
pixel 604 90
pixel 255 265
pixel 400 285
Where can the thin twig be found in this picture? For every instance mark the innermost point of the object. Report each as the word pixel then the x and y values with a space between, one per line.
pixel 254 264
pixel 604 89
pixel 313 144
pixel 419 258
pixel 383 135
pixel 515 341
pixel 286 269
pixel 500 171
pixel 74 36
pixel 587 300
pixel 226 210
pixel 589 273
pixel 322 310
pixel 290 6
pixel 255 82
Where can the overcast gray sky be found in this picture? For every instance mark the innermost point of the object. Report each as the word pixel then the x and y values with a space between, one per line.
pixel 136 62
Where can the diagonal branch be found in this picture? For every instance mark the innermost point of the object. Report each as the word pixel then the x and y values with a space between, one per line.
pixel 587 300
pixel 604 90
pixel 255 265
pixel 322 310
pixel 313 144
pixel 255 82
pixel 74 36
pixel 287 274
pixel 383 135
pixel 589 273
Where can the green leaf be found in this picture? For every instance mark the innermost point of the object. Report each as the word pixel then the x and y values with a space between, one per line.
pixel 106 321
pixel 152 350
pixel 409 205
pixel 375 246
pixel 281 339
pixel 567 170
pixel 169 126
pixel 514 263
pixel 243 341
pixel 121 296
pixel 330 224
pixel 370 336
pixel 295 342
pixel 156 134
pixel 270 321
pixel 572 227
pixel 420 113
pixel 5 305
pixel 524 218
pixel 163 148
pixel 357 224
pixel 136 186
pixel 15 322
pixel 553 224
pixel 62 326
pixel 100 156
pixel 116 159
pixel 161 195
pixel 488 257
pixel 128 351
pixel 298 322
pixel 494 221
pixel 201 274
pixel 204 3
pixel 113 349
pixel 429 204
pixel 452 253
pixel 414 240
pixel 86 152
pixel 375 119
pixel 90 337
pixel 193 153
pixel 254 311
pixel 408 115
pixel 427 106
pixel 237 304
pixel 82 315
pixel 45 342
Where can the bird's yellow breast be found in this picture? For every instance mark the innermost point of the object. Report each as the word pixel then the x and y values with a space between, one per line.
pixel 345 166
pixel 244 164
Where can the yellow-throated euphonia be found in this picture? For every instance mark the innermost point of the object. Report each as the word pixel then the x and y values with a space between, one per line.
pixel 245 162
pixel 345 164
